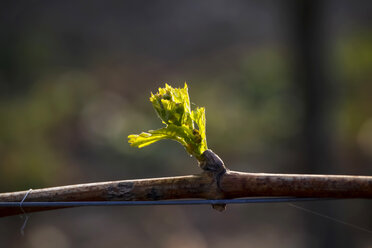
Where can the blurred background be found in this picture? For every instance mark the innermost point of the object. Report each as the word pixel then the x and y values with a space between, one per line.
pixel 287 87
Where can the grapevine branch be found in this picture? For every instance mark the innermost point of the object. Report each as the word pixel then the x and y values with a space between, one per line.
pixel 188 127
pixel 233 184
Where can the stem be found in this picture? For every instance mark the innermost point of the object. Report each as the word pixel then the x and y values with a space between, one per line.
pixel 233 184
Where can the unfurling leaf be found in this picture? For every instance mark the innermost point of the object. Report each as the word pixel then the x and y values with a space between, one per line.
pixel 181 123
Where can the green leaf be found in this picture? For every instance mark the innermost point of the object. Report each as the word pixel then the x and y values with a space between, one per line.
pixel 198 116
pixel 173 107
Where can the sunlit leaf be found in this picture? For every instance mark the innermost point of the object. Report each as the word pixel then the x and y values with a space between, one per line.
pixel 183 125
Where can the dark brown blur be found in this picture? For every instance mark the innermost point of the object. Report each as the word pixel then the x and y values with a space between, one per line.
pixel 287 87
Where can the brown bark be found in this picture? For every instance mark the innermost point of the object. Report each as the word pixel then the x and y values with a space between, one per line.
pixel 232 185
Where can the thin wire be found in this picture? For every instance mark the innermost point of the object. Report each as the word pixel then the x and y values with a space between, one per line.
pixel 165 202
pixel 331 218
pixel 26 216
pixel 175 202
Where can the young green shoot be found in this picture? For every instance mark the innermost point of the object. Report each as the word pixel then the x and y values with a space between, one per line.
pixel 182 124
